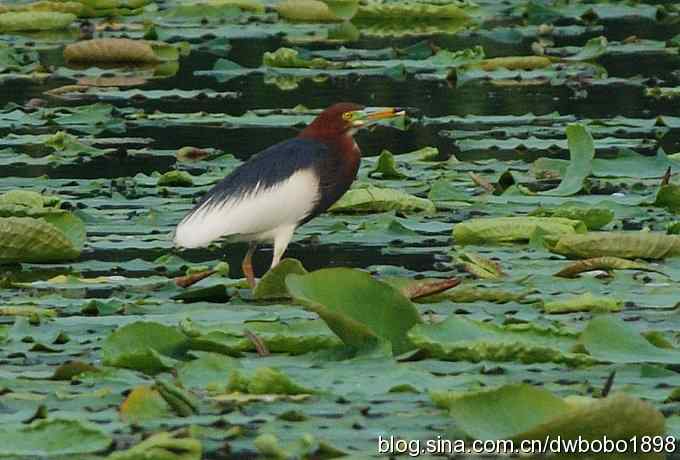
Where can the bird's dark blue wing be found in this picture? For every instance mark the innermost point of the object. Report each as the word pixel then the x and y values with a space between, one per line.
pixel 268 168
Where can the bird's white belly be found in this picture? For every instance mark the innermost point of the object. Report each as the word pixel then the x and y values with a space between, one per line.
pixel 256 216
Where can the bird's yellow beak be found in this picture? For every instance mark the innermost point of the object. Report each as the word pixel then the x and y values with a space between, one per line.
pixel 370 115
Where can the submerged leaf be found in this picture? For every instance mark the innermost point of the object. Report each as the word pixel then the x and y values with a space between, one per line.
pixel 511 229
pixel 357 307
pixel 629 245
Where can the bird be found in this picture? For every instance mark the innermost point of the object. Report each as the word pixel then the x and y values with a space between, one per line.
pixel 282 187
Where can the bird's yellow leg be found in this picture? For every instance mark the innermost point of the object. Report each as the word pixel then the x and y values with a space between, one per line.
pixel 247 265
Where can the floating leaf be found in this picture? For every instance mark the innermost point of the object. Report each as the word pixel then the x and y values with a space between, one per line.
pixel 481 267
pixel 34 20
pixel 375 199
pixel 208 370
pixel 149 347
pixel 668 197
pixel 273 283
pixel 265 380
pixel 592 216
pixel 386 167
pixel 50 438
pixel 593 49
pixel 461 339
pixel 144 403
pixel 629 245
pixel 54 237
pixel 379 11
pixel 165 446
pixel 523 411
pixel 175 179
pixel 306 11
pixel 583 302
pixel 612 340
pixel 512 229
pixel 357 307
pixel 119 50
pixel 573 269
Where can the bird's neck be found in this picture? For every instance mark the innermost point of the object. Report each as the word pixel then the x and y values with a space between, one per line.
pixel 344 147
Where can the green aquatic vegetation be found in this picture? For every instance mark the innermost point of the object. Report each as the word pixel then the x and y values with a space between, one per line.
pixel 528 122
pixel 513 229
pixel 523 411
pixel 34 21
pixel 358 308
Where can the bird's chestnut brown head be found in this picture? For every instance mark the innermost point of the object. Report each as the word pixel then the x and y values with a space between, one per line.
pixel 344 118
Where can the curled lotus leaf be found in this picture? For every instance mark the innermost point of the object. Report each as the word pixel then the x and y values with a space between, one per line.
pixel 51 238
pixel 34 21
pixel 512 229
pixel 628 245
pixel 573 269
pixel 378 11
pixel 306 11
pixel 118 50
pixel 377 199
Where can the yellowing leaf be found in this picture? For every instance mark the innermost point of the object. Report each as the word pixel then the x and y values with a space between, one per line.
pixel 34 20
pixel 512 229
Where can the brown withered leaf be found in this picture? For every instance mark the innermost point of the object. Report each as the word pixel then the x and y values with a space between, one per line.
pixel 428 287
pixel 573 269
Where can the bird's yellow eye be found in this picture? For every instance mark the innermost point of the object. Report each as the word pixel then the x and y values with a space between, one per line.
pixel 347 116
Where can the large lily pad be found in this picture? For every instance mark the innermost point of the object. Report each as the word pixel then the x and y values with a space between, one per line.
pixel 357 307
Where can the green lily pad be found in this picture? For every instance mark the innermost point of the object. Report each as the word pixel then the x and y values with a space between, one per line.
pixel 146 346
pixel 52 438
pixel 458 339
pixel 513 229
pixel 53 237
pixel 376 199
pixel 357 307
pixel 608 339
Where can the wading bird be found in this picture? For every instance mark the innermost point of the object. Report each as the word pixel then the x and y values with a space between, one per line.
pixel 284 186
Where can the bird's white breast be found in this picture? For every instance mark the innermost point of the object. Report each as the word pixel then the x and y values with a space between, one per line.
pixel 256 215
